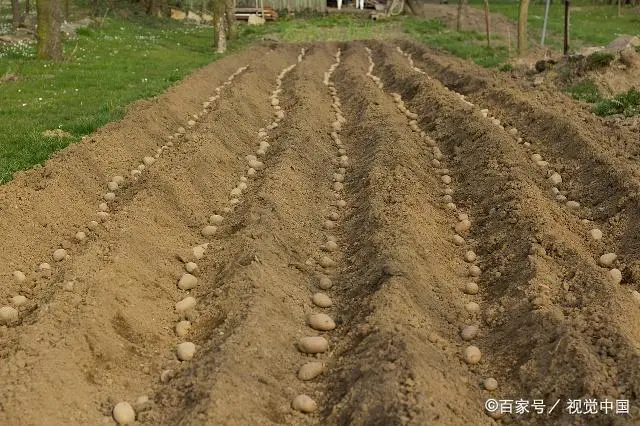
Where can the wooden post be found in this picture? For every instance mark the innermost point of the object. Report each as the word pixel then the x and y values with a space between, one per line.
pixel 459 19
pixel 619 8
pixel 486 22
pixel 523 13
pixel 566 27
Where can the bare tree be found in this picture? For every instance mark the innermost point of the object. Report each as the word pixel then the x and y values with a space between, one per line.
pixel 220 25
pixel 224 22
pixel 522 26
pixel 49 19
pixel 15 10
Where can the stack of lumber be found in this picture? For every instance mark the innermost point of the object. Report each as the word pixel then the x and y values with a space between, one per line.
pixel 242 13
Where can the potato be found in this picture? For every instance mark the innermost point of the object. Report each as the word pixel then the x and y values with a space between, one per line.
pixel 208 230
pixel 469 332
pixel 458 240
pixel 185 351
pixel 103 207
pixel 182 328
pixel 321 300
pixel 490 384
pixel 536 157
pixel 256 165
pixel 331 246
pixel 471 288
pixel 463 226
pixel 191 123
pixel 338 177
pixel 474 270
pixel 109 196
pixel 607 259
pixel 190 267
pixel 112 186
pixel 275 101
pixel 236 192
pixel 325 282
pixel 19 276
pixel 341 203
pixel 615 276
pixel 470 256
pixel 147 161
pixel 8 314
pixel 198 252
pixel 447 198
pixel 329 224
pixel 123 413
pixel 59 254
pixel 321 322
pixel 471 355
pixel 187 282
pixel 215 219
pixel 555 178
pixel 327 262
pixel 450 206
pixel 472 307
pixel 311 370
pixel 573 204
pixel 596 234
pixel 103 216
pixel 312 345
pixel 80 236
pixel 18 300
pixel 185 304
pixel 44 267
pixel 304 404
pixel 338 186
pixel 118 179
pixel 93 225
pixel 445 179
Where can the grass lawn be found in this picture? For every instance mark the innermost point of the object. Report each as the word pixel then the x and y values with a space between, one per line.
pixel 465 44
pixel 590 25
pixel 107 68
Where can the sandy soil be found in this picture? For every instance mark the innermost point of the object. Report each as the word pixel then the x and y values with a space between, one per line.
pixel 99 326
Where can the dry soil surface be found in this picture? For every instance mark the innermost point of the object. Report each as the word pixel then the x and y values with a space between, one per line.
pixel 452 244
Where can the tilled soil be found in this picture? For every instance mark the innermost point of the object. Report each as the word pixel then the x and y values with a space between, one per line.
pixel 438 230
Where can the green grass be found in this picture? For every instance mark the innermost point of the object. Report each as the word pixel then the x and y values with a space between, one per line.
pixel 335 27
pixel 625 103
pixel 107 68
pixel 584 90
pixel 591 25
pixel 466 44
pixel 599 60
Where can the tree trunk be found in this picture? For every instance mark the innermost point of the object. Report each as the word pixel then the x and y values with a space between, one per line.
pixel 27 7
pixel 459 17
pixel 522 26
pixel 413 7
pixel 66 10
pixel 230 17
pixel 221 33
pixel 48 35
pixel 15 10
